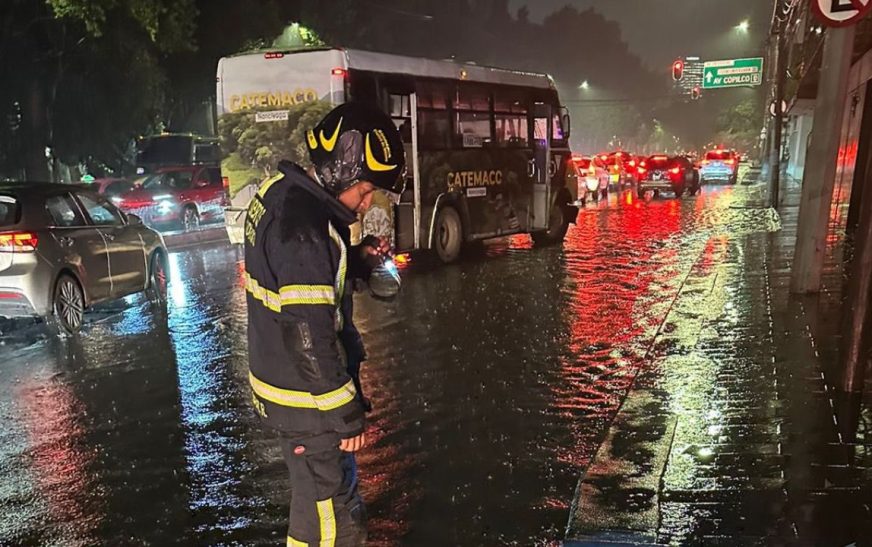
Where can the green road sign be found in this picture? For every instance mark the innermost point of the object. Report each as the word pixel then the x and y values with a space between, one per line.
pixel 732 73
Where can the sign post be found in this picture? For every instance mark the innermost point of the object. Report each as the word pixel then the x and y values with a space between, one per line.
pixel 732 73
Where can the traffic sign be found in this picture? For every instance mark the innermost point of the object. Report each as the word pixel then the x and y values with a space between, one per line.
pixel 733 73
pixel 841 13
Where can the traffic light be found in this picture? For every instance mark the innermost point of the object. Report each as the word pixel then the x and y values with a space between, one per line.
pixel 678 70
pixel 695 93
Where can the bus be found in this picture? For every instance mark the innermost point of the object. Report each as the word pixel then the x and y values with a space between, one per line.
pixel 487 149
pixel 175 150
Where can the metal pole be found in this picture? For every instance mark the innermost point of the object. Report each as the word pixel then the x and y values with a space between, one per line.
pixel 777 124
pixel 856 319
pixel 820 174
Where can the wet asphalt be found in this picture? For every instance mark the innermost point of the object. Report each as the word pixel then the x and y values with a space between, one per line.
pixel 494 381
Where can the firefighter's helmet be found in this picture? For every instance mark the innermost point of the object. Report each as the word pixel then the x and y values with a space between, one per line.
pixel 356 142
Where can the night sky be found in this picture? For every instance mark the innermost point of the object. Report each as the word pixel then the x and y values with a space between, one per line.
pixel 658 31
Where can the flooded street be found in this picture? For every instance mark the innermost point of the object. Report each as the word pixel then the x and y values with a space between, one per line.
pixel 493 383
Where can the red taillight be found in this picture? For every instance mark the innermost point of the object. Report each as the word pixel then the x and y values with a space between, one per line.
pixel 704 162
pixel 632 163
pixel 18 242
pixel 338 72
pixel 730 162
pixel 675 170
pixel 273 55
pixel 642 170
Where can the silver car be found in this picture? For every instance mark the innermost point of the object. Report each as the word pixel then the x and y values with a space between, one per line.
pixel 64 248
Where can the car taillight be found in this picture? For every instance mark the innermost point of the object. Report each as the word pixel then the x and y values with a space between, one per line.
pixel 642 170
pixel 704 162
pixel 675 170
pixel 18 242
pixel 729 162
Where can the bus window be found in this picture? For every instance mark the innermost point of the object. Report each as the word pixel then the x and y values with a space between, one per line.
pixel 540 129
pixel 363 87
pixel 510 101
pixel 434 129
pixel 557 133
pixel 472 97
pixel 400 106
pixel 433 95
pixel 511 130
pixel 474 129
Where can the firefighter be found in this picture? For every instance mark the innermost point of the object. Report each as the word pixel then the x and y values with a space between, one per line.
pixel 302 342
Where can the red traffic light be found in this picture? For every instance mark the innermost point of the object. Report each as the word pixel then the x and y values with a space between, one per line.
pixel 677 70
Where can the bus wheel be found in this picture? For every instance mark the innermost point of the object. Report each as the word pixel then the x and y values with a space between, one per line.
pixel 557 226
pixel 448 236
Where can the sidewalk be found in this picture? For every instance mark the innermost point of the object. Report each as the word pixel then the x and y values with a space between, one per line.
pixel 729 435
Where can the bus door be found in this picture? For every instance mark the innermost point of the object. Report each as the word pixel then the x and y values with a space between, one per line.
pixel 402 107
pixel 541 165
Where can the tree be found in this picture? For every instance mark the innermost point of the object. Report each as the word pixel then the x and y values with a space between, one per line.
pixel 739 126
pixel 62 60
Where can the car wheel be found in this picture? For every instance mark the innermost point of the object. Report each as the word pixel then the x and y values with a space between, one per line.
pixel 69 304
pixel 448 238
pixel 190 218
pixel 679 191
pixel 557 227
pixel 158 281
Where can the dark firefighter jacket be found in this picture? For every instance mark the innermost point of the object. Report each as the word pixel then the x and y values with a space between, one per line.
pixel 299 268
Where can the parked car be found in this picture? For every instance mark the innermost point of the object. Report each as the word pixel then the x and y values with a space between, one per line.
pixel 111 187
pixel 65 248
pixel 660 173
pixel 593 177
pixel 721 165
pixel 177 197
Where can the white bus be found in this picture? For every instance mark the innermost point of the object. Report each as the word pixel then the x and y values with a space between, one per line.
pixel 487 149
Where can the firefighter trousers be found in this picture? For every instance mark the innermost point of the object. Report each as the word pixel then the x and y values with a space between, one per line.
pixel 326 507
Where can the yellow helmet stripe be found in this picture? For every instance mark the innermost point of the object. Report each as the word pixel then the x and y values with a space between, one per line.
pixel 372 163
pixel 330 144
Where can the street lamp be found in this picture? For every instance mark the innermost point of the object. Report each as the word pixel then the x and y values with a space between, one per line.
pixel 743 26
pixel 584 85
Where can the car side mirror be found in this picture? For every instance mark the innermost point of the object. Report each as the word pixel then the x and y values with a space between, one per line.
pixel 134 220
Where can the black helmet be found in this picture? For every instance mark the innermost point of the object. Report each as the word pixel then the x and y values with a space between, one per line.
pixel 356 142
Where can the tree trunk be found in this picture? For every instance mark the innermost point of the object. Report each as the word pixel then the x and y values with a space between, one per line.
pixel 35 130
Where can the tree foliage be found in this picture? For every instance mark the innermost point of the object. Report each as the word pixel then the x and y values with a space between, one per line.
pixel 739 125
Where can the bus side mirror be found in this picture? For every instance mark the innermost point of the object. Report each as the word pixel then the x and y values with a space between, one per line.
pixel 566 122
